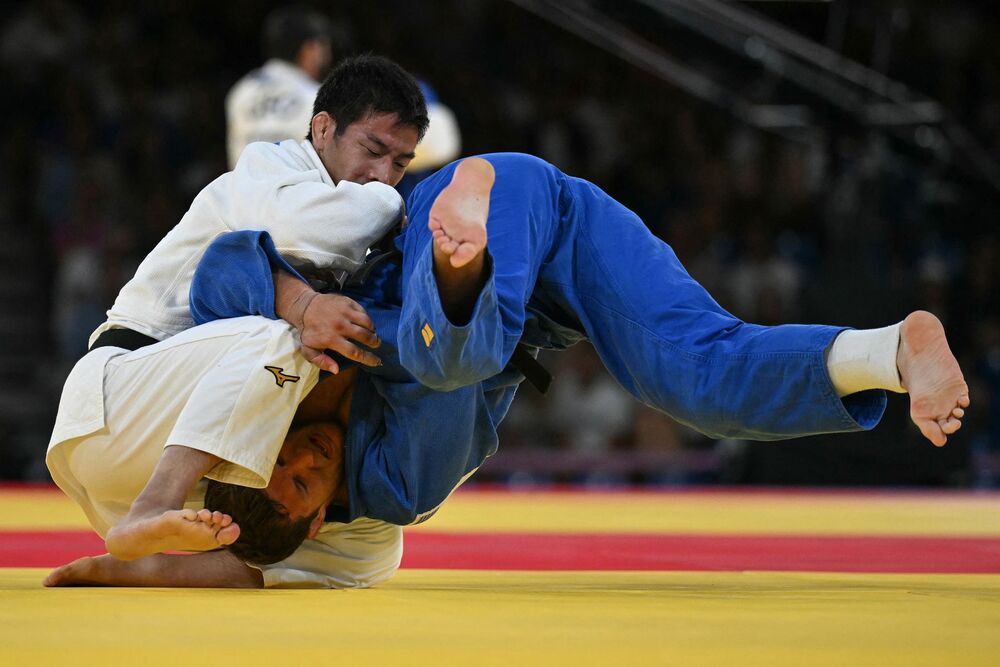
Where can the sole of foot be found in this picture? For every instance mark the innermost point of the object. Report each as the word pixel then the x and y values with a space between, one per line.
pixel 931 375
pixel 458 216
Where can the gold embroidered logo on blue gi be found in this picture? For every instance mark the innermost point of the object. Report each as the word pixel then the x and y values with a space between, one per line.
pixel 280 377
pixel 428 334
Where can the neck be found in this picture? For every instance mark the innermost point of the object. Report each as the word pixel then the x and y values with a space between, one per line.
pixel 330 400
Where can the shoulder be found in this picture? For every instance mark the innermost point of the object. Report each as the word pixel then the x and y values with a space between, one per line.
pixel 286 155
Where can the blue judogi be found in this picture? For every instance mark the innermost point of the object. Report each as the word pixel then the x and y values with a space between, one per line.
pixel 568 263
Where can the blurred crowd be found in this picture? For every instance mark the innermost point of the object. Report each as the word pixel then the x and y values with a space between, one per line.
pixel 113 120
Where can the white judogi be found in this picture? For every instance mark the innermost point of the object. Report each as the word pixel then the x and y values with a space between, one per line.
pixel 283 189
pixel 272 103
pixel 206 388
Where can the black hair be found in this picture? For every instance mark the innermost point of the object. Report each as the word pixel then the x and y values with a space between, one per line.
pixel 266 535
pixel 288 28
pixel 364 85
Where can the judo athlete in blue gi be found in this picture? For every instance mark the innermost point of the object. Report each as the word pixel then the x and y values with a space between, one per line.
pixel 504 250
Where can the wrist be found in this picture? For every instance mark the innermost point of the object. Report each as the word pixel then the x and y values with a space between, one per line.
pixel 300 304
pixel 291 298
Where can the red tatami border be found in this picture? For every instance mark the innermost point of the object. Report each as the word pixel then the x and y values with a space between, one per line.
pixel 521 551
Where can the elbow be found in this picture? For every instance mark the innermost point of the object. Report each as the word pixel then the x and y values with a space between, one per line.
pixel 448 374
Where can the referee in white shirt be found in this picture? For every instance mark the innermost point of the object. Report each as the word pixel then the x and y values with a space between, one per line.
pixel 275 102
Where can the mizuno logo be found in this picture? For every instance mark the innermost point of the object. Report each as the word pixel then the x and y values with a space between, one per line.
pixel 280 377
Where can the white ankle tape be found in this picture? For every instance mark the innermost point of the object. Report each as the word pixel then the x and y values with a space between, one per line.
pixel 865 359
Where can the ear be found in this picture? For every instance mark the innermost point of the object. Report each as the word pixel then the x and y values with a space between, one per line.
pixel 322 124
pixel 317 523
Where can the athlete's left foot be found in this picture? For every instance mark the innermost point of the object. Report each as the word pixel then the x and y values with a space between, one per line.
pixel 932 377
pixel 457 218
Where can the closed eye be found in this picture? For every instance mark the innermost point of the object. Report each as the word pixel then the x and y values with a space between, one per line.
pixel 301 485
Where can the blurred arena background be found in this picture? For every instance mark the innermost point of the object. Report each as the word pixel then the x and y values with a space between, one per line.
pixel 809 162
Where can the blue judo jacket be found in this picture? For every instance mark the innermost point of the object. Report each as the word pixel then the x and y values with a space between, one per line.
pixel 407 447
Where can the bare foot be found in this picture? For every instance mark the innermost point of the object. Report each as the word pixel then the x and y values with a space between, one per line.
pixel 930 374
pixel 173 530
pixel 81 572
pixel 458 216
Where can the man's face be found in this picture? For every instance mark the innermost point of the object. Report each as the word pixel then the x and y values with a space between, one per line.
pixel 309 469
pixel 375 148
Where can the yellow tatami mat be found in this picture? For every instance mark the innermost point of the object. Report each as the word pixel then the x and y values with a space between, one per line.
pixel 553 616
pixel 434 617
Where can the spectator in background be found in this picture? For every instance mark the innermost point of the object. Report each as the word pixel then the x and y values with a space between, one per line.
pixel 275 102
pixel 588 409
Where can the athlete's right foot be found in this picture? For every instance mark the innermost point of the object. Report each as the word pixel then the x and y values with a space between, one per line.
pixel 174 530
pixel 932 377
pixel 457 218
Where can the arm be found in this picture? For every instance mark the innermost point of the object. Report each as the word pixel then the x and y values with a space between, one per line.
pixel 242 273
pixel 309 217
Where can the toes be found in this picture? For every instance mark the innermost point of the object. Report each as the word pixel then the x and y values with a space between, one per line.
pixel 932 431
pixel 205 515
pixel 949 425
pixel 228 535
pixel 464 254
pixel 963 400
pixel 958 413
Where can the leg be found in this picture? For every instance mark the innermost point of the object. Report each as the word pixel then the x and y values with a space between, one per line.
pixel 206 390
pixel 457 221
pixel 522 223
pixel 909 357
pixel 771 381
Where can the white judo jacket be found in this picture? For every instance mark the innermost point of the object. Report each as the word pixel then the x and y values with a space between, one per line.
pixel 282 188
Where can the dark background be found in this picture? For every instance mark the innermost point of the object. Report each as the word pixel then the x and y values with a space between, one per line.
pixel 112 120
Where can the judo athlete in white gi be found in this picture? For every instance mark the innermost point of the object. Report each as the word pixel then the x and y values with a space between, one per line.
pixel 109 430
pixel 275 102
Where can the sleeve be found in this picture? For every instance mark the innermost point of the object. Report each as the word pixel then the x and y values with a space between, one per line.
pixel 234 279
pixel 425 445
pixel 362 553
pixel 311 221
pixel 440 354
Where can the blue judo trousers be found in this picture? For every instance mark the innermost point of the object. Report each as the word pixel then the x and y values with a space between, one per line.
pixel 568 263
pixel 571 263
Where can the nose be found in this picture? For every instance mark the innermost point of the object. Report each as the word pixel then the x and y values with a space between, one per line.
pixel 301 460
pixel 379 171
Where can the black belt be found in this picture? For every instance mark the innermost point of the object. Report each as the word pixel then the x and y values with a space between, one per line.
pixel 123 338
pixel 539 377
pixel 522 359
